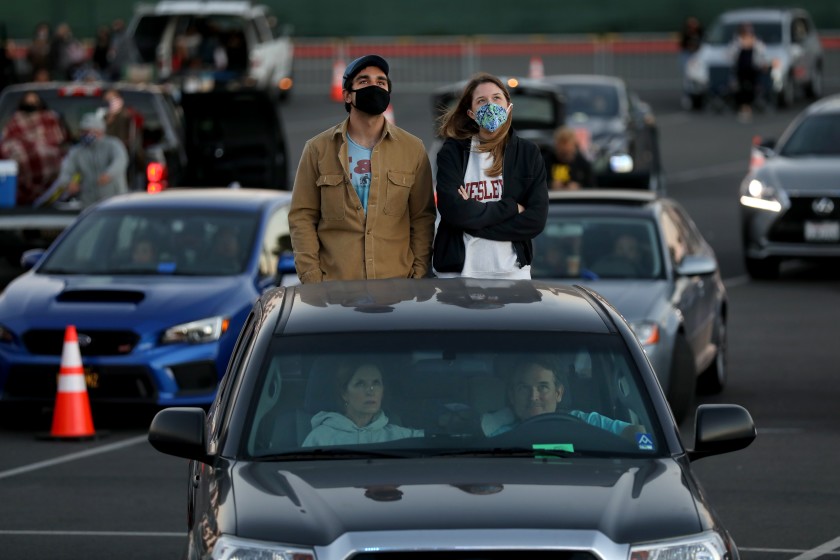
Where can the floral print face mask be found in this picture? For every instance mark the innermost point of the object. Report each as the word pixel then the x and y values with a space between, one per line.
pixel 491 116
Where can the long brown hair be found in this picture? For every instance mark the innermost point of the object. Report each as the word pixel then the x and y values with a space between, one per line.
pixel 456 123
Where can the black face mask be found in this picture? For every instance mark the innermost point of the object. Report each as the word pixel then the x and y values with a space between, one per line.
pixel 29 108
pixel 372 100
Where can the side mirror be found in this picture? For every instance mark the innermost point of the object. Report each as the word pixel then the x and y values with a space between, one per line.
pixel 721 428
pixel 179 431
pixel 31 257
pixel 696 265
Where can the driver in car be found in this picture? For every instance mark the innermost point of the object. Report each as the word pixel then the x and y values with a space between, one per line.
pixel 537 388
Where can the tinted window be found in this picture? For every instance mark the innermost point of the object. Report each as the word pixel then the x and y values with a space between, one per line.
pixel 203 243
pixel 591 100
pixel 769 32
pixel 276 241
pixel 442 394
pixel 147 36
pixel 594 247
pixel 816 135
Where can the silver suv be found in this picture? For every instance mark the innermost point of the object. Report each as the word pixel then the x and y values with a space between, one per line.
pixel 200 45
pixel 793 48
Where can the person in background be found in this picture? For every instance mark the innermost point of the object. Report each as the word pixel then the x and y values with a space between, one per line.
pixel 95 168
pixel 567 167
pixel 125 123
pixel 691 35
pixel 491 187
pixel 36 139
pixel 8 74
pixel 101 57
pixel 38 54
pixel 749 61
pixel 362 202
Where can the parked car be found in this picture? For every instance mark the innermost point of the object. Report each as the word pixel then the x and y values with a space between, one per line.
pixel 793 47
pixel 645 255
pixel 160 121
pixel 244 143
pixel 539 109
pixel 431 360
pixel 156 330
pixel 789 199
pixel 200 46
pixel 621 130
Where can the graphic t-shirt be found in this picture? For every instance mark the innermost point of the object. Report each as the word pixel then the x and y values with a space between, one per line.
pixel 486 258
pixel 359 160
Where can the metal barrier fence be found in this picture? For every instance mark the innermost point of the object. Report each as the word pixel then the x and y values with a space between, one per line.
pixel 420 64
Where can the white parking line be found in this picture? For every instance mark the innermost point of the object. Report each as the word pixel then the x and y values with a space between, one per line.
pixel 821 550
pixel 91 534
pixel 707 172
pixel 73 456
pixel 736 281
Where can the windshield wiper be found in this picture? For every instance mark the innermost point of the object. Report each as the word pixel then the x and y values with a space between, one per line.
pixel 336 453
pixel 543 451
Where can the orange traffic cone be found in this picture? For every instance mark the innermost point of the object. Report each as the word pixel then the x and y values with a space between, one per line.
pixel 338 72
pixel 535 68
pixel 72 418
pixel 389 114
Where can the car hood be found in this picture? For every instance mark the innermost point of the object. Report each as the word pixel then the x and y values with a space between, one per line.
pixel 47 300
pixel 801 173
pixel 634 299
pixel 313 504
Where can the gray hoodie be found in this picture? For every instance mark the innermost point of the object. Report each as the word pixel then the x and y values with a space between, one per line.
pixel 332 428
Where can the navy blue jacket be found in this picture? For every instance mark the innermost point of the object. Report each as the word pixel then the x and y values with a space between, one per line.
pixel 524 183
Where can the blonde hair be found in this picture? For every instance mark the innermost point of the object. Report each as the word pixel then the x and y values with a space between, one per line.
pixel 457 124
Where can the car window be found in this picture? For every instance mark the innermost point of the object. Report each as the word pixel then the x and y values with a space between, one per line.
pixel 770 32
pixel 680 236
pixel 816 135
pixel 432 394
pixel 595 247
pixel 147 36
pixel 276 241
pixel 592 100
pixel 202 243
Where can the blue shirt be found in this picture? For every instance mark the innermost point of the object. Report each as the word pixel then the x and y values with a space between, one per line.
pixel 359 159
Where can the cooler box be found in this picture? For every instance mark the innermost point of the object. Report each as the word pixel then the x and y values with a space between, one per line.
pixel 8 182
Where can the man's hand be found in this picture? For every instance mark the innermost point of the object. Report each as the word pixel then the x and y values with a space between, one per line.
pixel 103 179
pixel 73 186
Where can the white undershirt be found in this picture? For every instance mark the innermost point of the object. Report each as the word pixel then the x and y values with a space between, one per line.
pixel 485 258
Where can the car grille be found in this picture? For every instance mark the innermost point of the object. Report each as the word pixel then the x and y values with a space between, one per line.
pixel 477 555
pixel 196 377
pixel 50 342
pixel 105 383
pixel 790 227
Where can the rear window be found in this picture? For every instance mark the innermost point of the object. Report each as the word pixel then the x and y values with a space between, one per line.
pixel 817 135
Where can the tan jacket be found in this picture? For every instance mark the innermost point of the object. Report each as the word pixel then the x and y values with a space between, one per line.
pixel 332 237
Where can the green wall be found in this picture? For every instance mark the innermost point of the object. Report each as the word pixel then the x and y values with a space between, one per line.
pixel 329 18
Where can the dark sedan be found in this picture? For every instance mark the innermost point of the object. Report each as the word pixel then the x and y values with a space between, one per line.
pixel 623 138
pixel 447 418
pixel 790 198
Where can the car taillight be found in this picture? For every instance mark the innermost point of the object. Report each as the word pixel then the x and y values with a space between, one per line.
pixel 80 91
pixel 155 177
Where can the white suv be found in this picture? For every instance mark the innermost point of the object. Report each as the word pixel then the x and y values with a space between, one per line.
pixel 793 47
pixel 199 44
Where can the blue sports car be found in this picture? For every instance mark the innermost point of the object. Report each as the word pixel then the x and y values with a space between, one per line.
pixel 157 286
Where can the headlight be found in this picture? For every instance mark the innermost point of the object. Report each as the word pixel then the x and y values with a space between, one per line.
pixel 196 332
pixel 705 546
pixel 762 196
pixel 646 331
pixel 233 548
pixel 621 163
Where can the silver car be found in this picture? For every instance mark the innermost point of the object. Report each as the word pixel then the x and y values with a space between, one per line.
pixel 645 255
pixel 794 53
pixel 790 198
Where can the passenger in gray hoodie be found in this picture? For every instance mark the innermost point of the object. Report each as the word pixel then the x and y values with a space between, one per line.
pixel 361 390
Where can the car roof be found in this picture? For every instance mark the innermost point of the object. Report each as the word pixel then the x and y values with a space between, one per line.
pixel 756 14
pixel 198 8
pixel 589 79
pixel 828 104
pixel 442 304
pixel 85 88
pixel 614 201
pixel 243 199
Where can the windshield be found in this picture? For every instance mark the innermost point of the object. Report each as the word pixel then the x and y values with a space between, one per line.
pixel 591 101
pixel 770 32
pixel 477 393
pixel 598 247
pixel 153 242
pixel 816 135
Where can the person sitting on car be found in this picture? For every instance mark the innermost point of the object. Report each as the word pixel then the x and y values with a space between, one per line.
pixel 143 253
pixel 360 419
pixel 566 166
pixel 536 387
